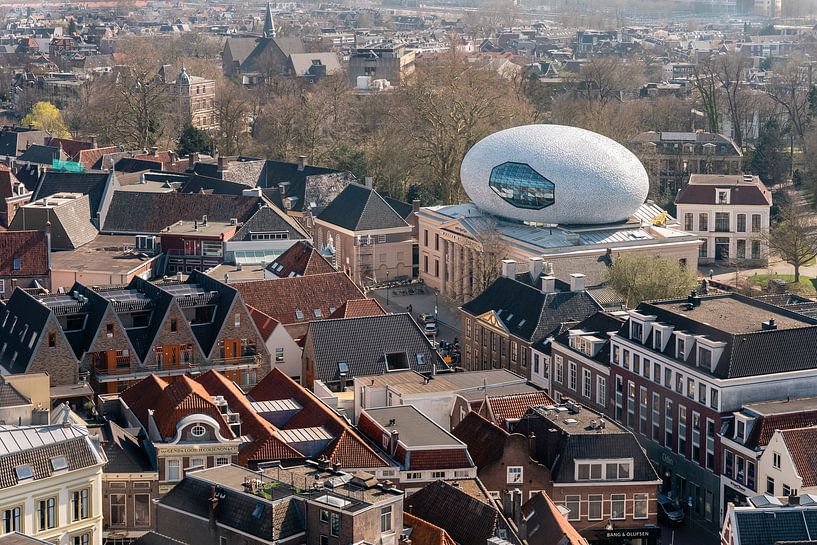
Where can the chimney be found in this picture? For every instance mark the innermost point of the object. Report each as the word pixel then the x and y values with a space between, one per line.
pixel 576 282
pixel 532 446
pixel 301 163
pixel 537 267
pixel 92 141
pixel 174 158
pixel 517 506
pixel 222 163
pixel 507 503
pixel 368 181
pixel 509 268
pixel 395 437
pixel 192 159
pixel 548 284
pixel 213 506
pixel 154 151
pixel 694 299
pixel 415 205
pixel 769 325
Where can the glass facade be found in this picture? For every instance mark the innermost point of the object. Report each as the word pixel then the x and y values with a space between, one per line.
pixel 521 186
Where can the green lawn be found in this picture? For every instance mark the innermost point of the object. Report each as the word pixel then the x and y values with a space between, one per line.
pixel 806 286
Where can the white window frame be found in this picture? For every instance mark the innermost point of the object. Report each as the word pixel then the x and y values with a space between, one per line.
pixel 511 472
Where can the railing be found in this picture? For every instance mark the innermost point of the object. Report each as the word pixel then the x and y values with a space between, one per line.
pixel 136 371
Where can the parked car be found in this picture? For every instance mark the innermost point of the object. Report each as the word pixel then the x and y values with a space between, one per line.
pixel 427 318
pixel 669 511
pixel 430 329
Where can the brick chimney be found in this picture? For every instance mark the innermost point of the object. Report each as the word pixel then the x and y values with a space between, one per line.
pixel 301 163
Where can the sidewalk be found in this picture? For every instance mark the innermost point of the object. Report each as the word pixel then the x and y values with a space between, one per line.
pixel 420 303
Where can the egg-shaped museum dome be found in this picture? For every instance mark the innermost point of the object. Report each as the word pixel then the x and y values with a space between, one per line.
pixel 554 174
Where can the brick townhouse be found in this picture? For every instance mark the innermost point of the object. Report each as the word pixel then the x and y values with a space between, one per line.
pixel 500 324
pixel 118 335
pixel 680 368
pixel 597 471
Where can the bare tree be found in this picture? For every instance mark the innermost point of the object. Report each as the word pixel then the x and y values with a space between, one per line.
pixel 793 239
pixel 487 264
pixel 706 86
pixel 729 69
pixel 232 108
pixel 789 88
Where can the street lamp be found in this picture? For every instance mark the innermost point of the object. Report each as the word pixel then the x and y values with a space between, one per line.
pixel 387 288
pixel 436 292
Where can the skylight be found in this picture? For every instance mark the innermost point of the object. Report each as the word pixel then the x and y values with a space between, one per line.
pixel 24 472
pixel 343 368
pixel 258 511
pixel 317 312
pixel 58 463
pixel 298 314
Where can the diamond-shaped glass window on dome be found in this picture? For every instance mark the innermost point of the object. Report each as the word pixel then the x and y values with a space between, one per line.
pixel 521 186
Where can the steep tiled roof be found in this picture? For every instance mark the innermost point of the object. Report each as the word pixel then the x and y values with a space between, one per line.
pixel 141 212
pixel 513 406
pixel 37 445
pixel 90 158
pixel 422 460
pixel 43 155
pixel 766 425
pixel 356 308
pixel 282 298
pixel 72 148
pixel 300 259
pixel 466 519
pixel 425 533
pixel 741 193
pixel 267 220
pixel 527 312
pixel 31 318
pixel 801 444
pixel 265 323
pixel 485 439
pixel 170 403
pixel 348 448
pixel 10 396
pixel 92 184
pixel 28 249
pixel 359 208
pixel 546 525
pixel 368 343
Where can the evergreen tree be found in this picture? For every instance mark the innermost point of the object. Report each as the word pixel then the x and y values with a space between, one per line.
pixel 193 140
pixel 769 160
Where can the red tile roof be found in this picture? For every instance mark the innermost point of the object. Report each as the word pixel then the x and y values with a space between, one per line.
pixel 765 426
pixel 281 298
pixel 301 259
pixel 513 406
pixel 30 247
pixel 172 402
pixel 453 458
pixel 485 440
pixel 348 446
pixel 89 157
pixel 265 323
pixel 546 525
pixel 754 193
pixel 72 148
pixel 357 308
pixel 802 445
pixel 425 533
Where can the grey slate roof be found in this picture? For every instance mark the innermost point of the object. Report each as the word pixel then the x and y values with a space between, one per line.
pixel 153 538
pixel 266 220
pixel 43 155
pixel 10 397
pixel 747 353
pixel 124 451
pixel 359 208
pixel 276 520
pixel 17 538
pixel 366 342
pixel 71 225
pixel 527 312
pixel 21 313
pixel 88 183
pixel 204 184
pixel 137 212
pixel 775 525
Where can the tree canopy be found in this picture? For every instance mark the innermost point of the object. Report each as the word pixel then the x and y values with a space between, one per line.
pixel 642 277
pixel 47 117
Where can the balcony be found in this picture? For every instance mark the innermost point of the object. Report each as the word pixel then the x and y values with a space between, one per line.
pixel 138 371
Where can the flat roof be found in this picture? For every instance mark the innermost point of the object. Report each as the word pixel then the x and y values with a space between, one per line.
pixel 211 228
pixel 583 422
pixel 415 428
pixel 736 315
pixel 231 475
pixel 246 274
pixel 106 253
pixel 783 406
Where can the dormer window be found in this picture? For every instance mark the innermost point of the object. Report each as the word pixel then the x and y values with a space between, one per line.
pixel 658 339
pixel 680 349
pixel 723 196
pixel 636 330
pixel 740 430
pixel 705 358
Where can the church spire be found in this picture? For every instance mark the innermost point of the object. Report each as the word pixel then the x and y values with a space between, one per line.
pixel 269 23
